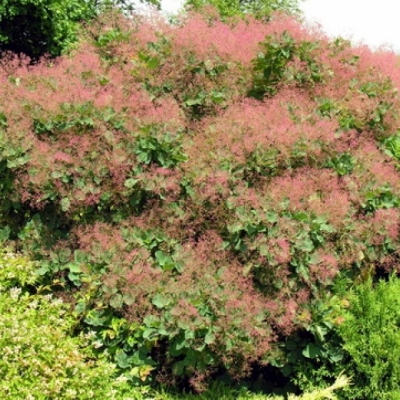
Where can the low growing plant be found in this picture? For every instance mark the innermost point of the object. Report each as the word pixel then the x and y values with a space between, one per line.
pixel 364 324
pixel 40 359
pixel 371 335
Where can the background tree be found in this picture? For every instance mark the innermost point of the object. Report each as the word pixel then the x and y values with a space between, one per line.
pixel 124 5
pixel 259 8
pixel 38 27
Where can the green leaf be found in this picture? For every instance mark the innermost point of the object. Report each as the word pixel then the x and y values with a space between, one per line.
pixel 286 370
pixel 128 299
pixel 300 216
pixel 217 97
pixel 272 217
pixel 4 234
pixel 314 259
pixel 151 321
pixel 336 355
pixel 179 368
pixel 321 332
pixel 302 270
pixel 306 245
pixel 64 255
pixel 56 174
pixel 74 268
pixel 165 261
pixel 80 256
pixel 161 257
pixel 116 301
pixel 311 351
pixel 209 338
pixel 75 279
pixel 150 333
pixel 123 361
pixel 130 183
pixel 94 318
pixel 264 250
pixel 160 301
pixel 43 270
pixel 140 357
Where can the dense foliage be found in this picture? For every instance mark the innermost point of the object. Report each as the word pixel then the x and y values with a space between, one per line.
pixel 39 358
pixel 235 8
pixel 371 336
pixel 205 193
pixel 38 27
pixel 35 28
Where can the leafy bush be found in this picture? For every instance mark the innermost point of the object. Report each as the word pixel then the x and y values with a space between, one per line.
pixel 42 361
pixel 197 228
pixel 39 358
pixel 221 392
pixel 37 27
pixel 283 61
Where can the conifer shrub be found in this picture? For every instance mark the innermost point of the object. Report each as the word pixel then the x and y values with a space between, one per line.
pixel 364 325
pixel 196 188
pixel 370 332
